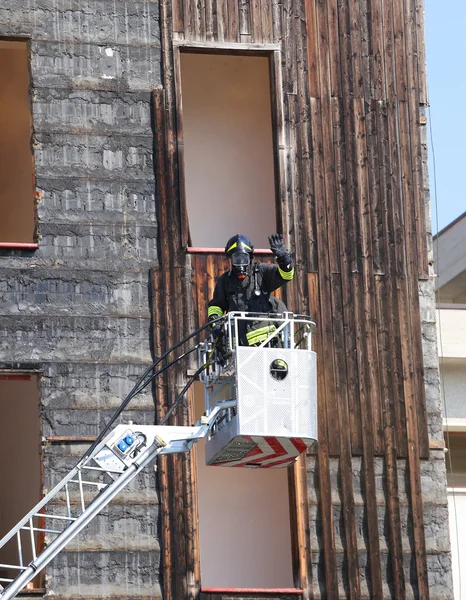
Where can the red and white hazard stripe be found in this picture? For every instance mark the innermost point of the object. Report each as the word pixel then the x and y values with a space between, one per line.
pixel 270 452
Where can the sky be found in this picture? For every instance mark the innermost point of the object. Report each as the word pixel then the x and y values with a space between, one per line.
pixel 445 32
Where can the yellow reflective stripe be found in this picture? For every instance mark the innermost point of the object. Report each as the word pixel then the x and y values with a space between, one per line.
pixel 262 332
pixel 214 311
pixel 235 245
pixel 286 275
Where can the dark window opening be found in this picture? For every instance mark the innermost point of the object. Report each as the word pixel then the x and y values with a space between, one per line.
pixel 245 534
pixel 20 466
pixel 227 148
pixel 17 224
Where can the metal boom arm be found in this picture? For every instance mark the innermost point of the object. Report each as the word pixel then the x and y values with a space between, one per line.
pixel 112 464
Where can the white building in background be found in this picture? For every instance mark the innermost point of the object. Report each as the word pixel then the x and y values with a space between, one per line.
pixel 450 267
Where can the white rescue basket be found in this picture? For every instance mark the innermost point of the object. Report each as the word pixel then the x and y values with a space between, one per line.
pixel 274 384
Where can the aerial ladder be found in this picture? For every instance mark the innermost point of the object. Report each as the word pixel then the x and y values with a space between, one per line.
pixel 260 412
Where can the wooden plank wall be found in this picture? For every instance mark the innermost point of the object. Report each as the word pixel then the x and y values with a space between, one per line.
pixel 349 84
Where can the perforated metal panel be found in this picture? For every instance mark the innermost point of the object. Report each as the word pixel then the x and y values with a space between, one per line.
pixel 276 407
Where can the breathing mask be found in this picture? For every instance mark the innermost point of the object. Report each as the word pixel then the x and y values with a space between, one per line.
pixel 240 262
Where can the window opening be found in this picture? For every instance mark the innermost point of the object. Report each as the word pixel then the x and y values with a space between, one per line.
pixel 20 464
pixel 16 173
pixel 228 150
pixel 244 523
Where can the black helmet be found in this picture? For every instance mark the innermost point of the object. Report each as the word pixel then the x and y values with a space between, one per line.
pixel 240 249
pixel 239 243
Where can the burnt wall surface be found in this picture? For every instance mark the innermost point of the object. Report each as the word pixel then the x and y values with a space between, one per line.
pixel 78 308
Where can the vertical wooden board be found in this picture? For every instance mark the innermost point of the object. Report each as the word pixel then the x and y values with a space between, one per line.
pixel 302 165
pixel 256 25
pixel 198 292
pixel 344 45
pixel 178 16
pixel 289 203
pixel 194 550
pixel 212 272
pixel 245 20
pixel 399 49
pixel 359 15
pixel 193 574
pixel 374 174
pixel 222 20
pixel 351 234
pixel 323 49
pixel 179 521
pixel 343 224
pixel 407 264
pixel 307 225
pixel 382 152
pixel 355 25
pixel 178 106
pixel 233 20
pixel 377 51
pixel 346 470
pixel 412 271
pixel 415 139
pixel 368 296
pixel 389 189
pixel 277 21
pixel 290 73
pixel 325 491
pixel 395 546
pixel 209 20
pixel 389 50
pixel 201 288
pixel 202 10
pixel 299 521
pixel 192 20
pixel 326 316
pixel 335 83
pixel 172 208
pixel 312 49
pixel 421 53
pixel 266 21
pixel 408 216
pixel 326 125
pixel 160 408
pixel 370 490
pixel 388 392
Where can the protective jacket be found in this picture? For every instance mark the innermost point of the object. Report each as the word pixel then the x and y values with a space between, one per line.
pixel 251 294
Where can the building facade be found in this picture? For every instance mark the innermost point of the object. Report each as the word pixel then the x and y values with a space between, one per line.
pixel 450 268
pixel 154 131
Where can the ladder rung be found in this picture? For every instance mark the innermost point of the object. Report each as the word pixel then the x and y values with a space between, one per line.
pixel 43 530
pixel 47 516
pixel 101 470
pixel 5 580
pixel 102 485
pixel 12 567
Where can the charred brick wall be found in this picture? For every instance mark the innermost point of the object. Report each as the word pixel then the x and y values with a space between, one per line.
pixel 78 308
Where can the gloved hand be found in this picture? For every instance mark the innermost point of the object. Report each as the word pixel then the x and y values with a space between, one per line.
pixel 277 245
pixel 217 331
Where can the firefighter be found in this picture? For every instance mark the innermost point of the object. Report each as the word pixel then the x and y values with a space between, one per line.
pixel 248 285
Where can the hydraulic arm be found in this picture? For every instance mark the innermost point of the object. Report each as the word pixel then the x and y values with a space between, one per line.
pixel 95 480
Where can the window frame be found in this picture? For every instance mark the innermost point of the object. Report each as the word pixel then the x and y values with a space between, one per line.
pixel 273 53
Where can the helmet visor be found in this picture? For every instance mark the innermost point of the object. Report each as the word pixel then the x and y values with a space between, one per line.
pixel 240 259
